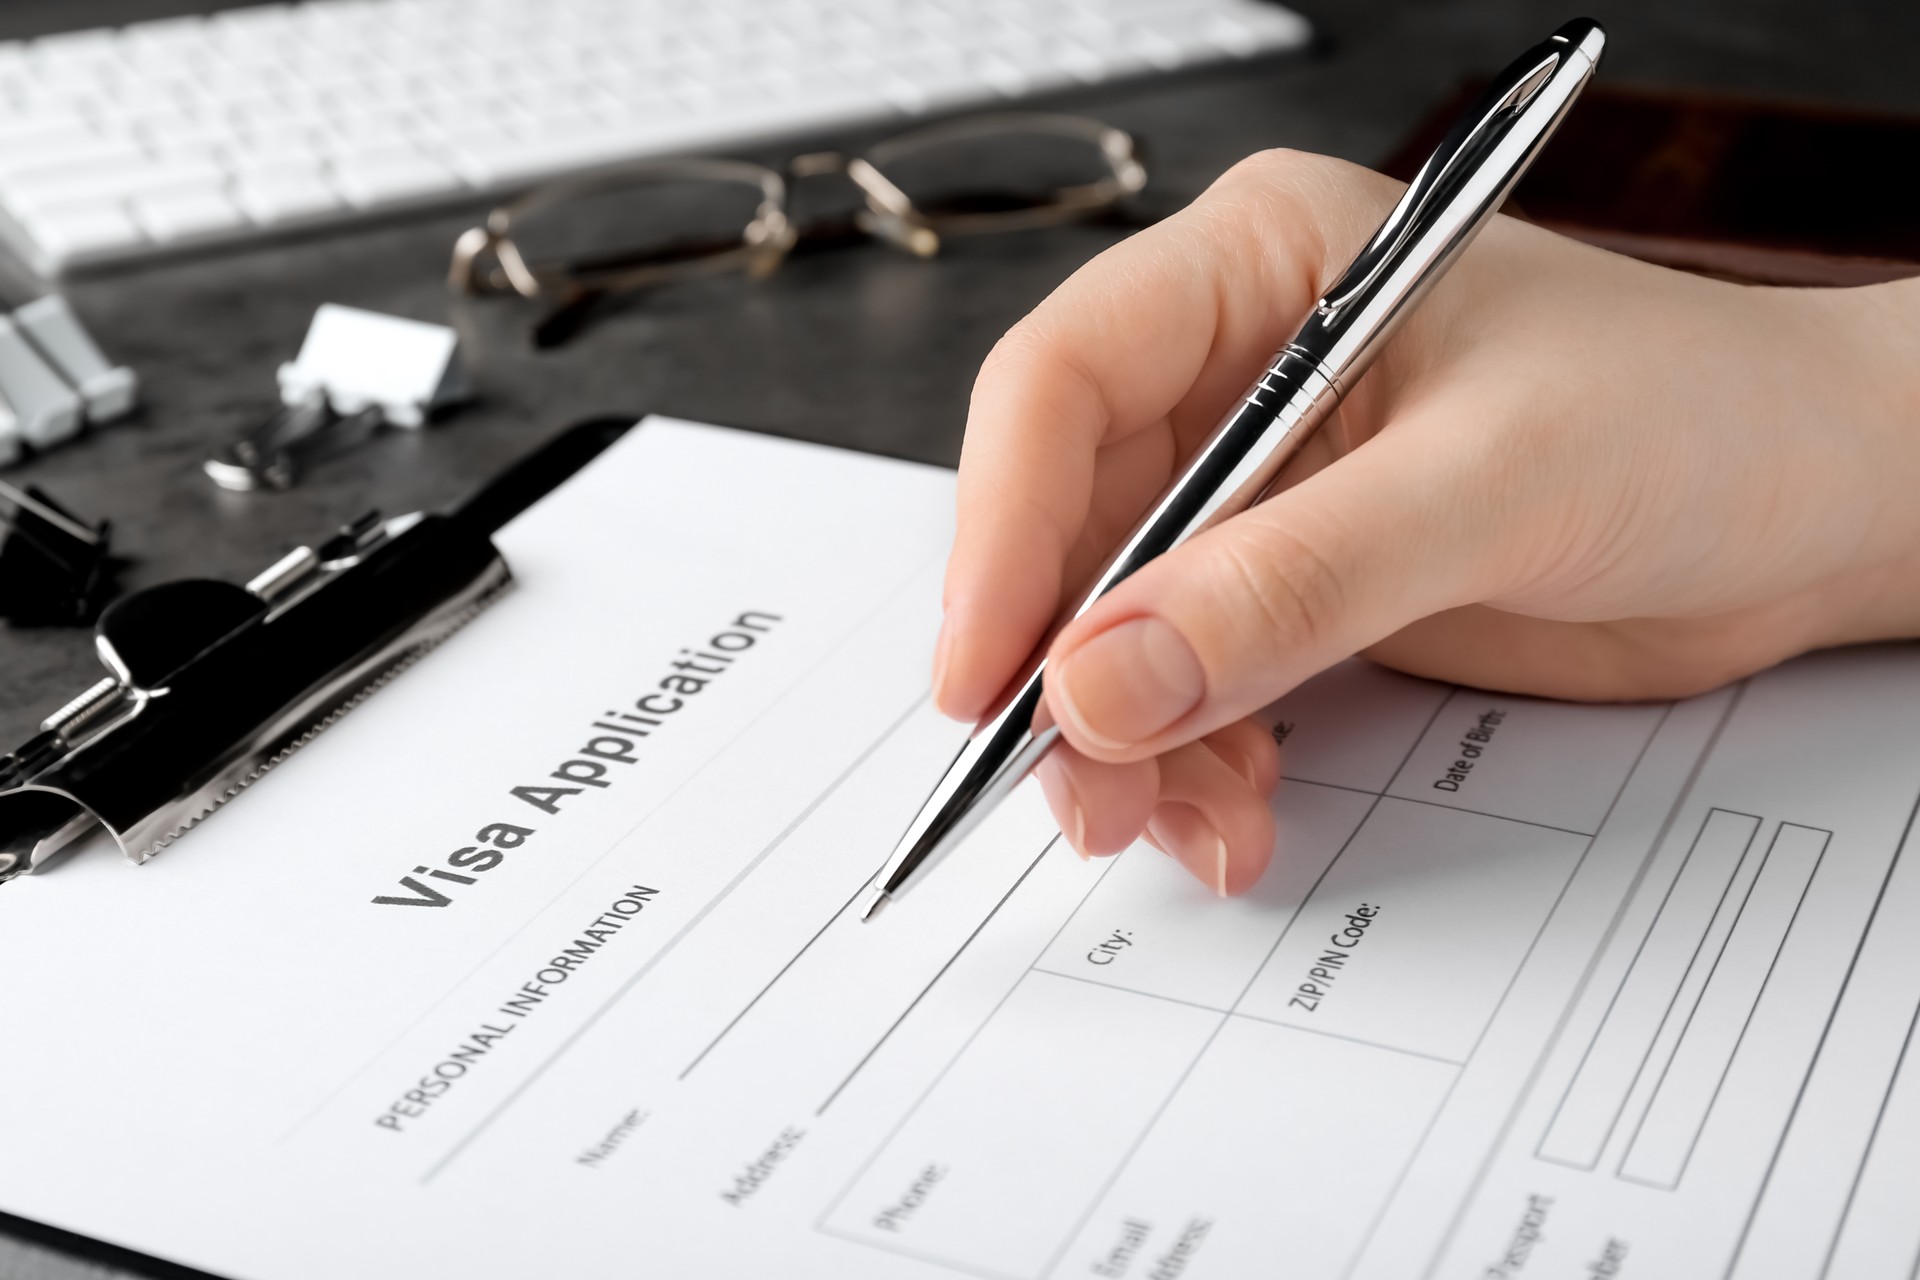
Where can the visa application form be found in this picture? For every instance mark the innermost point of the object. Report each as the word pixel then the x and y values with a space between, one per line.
pixel 544 960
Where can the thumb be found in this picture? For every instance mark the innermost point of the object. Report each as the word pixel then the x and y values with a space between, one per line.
pixel 1405 526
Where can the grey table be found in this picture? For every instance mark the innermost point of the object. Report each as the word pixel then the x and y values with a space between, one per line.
pixel 863 348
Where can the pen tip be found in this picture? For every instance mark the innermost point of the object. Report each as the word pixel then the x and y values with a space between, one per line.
pixel 874 903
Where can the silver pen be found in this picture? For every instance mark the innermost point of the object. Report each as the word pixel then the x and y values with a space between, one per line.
pixel 1461 185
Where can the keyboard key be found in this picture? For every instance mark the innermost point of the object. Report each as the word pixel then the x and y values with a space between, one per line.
pixel 1084 61
pixel 161 40
pixel 180 214
pixel 77 232
pixel 136 97
pixel 501 161
pixel 1168 41
pixel 374 153
pixel 28 196
pixel 82 155
pixel 73 52
pixel 274 198
pixel 279 136
pixel 371 123
pixel 1269 24
pixel 920 86
pixel 371 184
pixel 246 165
pixel 820 99
pixel 43 133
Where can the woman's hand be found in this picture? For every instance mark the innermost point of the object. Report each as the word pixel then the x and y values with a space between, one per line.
pixel 1569 474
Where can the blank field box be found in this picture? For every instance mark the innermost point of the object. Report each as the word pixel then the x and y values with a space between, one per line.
pixel 1674 1119
pixel 1624 1040
pixel 1352 725
pixel 1274 1160
pixel 1149 926
pixel 1415 933
pixel 990 1172
pixel 1546 762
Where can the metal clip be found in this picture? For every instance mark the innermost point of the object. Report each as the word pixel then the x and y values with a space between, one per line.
pixel 1458 153
pixel 55 569
pixel 276 453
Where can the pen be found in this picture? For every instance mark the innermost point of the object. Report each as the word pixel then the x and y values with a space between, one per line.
pixel 1460 186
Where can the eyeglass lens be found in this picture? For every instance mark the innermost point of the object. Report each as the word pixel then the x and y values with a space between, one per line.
pixel 649 218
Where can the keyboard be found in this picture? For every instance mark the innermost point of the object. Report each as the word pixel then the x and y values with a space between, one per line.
pixel 120 144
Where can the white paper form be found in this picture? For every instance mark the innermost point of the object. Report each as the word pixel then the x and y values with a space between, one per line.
pixel 1531 990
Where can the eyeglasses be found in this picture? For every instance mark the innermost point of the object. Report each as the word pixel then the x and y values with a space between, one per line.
pixel 658 222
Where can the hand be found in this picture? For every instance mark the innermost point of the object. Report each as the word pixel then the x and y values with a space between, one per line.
pixel 1569 474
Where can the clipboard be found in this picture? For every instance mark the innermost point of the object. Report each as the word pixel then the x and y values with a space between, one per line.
pixel 209 684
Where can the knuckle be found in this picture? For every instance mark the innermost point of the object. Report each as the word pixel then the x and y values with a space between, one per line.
pixel 1271 164
pixel 1018 349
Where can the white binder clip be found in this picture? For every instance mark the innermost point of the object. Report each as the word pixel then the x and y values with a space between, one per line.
pixel 357 372
pixel 364 360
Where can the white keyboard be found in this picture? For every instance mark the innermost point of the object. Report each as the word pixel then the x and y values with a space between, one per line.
pixel 119 144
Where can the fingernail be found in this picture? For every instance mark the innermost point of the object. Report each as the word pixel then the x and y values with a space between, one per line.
pixel 1241 763
pixel 1193 842
pixel 1060 792
pixel 1129 682
pixel 942 651
pixel 1078 816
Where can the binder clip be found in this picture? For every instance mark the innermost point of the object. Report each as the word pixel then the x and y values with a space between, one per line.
pixel 208 684
pixel 357 373
pixel 55 569
pixel 53 378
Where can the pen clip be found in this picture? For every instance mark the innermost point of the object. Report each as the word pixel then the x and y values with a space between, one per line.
pixel 1429 197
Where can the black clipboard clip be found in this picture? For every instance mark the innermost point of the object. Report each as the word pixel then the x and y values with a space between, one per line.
pixel 210 684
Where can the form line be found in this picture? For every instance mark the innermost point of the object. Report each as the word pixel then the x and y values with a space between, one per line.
pixel 1132 991
pixel 933 982
pixel 1452 808
pixel 917 1255
pixel 1873 1139
pixel 774 980
pixel 699 917
pixel 1335 1035
pixel 1820 1047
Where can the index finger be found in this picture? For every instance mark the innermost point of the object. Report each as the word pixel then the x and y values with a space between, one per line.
pixel 1153 338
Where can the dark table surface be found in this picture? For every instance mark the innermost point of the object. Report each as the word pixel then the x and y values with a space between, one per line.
pixel 863 348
